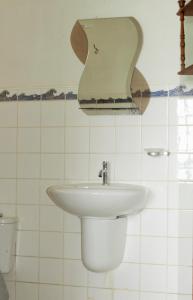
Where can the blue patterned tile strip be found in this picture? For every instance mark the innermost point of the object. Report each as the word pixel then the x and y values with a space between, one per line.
pixel 180 90
pixel 52 94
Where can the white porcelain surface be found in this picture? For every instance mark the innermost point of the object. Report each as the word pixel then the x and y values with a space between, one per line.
pixel 99 237
pixel 7 243
pixel 96 200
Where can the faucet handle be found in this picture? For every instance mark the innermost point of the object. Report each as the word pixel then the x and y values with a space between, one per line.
pixel 100 173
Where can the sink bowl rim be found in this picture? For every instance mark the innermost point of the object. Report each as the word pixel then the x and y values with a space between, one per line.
pixel 98 187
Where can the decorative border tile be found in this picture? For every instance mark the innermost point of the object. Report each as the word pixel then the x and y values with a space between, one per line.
pixel 71 96
pixel 180 90
pixel 52 95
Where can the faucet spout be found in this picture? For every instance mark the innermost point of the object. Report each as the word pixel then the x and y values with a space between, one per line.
pixel 104 173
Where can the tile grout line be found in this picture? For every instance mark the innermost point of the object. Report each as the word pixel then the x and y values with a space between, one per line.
pixel 140 217
pixel 16 209
pixel 167 195
pixel 64 178
pixel 39 187
pixel 89 162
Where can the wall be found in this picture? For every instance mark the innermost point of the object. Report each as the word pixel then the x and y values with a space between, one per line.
pixel 48 142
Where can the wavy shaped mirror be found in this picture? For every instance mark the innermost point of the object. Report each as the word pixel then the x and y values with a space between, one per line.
pixel 109 48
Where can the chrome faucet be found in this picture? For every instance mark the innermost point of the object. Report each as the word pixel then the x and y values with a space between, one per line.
pixel 104 172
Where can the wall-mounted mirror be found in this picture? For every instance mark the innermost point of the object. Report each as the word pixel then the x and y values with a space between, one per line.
pixel 109 48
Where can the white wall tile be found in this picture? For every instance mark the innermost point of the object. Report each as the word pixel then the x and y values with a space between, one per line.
pixel 179 297
pixel 124 118
pixel 102 118
pixel 173 111
pixel 7 165
pixel 180 251
pixel 8 209
pixel 52 113
pixel 179 280
pixel 51 244
pixel 127 167
pixel 100 280
pixel 28 217
pixel 100 294
pixel 133 225
pixel 153 250
pixel 173 139
pixel 28 243
pixel 173 195
pixel 180 195
pixel 125 295
pixel 180 111
pixel 8 114
pixel 180 167
pixel 51 270
pixel 74 116
pixel 51 218
pixel 28 191
pixel 8 140
pixel 26 291
pixel 71 223
pixel 154 222
pixel 76 167
pixel 8 191
pixel 180 223
pixel 76 139
pixel 185 195
pixel 128 139
pixel 75 293
pixel 52 166
pixel 72 246
pixel 154 168
pixel 99 137
pixel 29 114
pixel 126 276
pixel 153 296
pixel 132 249
pixel 156 112
pixel 181 138
pixel 176 168
pixel 52 140
pixel 75 273
pixel 28 166
pixel 50 292
pixel 153 278
pixel 27 269
pixel 28 140
pixel 83 167
pixel 154 137
pixel 157 197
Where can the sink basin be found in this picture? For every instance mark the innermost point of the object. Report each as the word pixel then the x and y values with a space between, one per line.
pixel 103 211
pixel 96 200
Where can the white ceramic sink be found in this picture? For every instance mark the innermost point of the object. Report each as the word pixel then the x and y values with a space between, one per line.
pixel 96 200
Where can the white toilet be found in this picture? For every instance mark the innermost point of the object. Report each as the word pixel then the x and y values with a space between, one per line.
pixel 8 228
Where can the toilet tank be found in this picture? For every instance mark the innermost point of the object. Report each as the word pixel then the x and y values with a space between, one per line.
pixel 8 228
